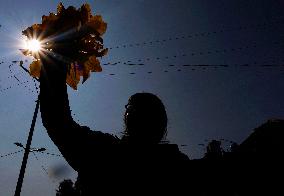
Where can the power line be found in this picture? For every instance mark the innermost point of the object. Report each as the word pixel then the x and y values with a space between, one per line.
pixel 18 81
pixel 121 62
pixel 42 167
pixel 33 150
pixel 14 76
pixel 51 154
pixel 35 85
pixel 200 53
pixel 192 67
pixel 193 54
pixel 258 26
pixel 12 153
pixel 14 85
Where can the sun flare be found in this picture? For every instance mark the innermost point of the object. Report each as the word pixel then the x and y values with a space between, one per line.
pixel 33 45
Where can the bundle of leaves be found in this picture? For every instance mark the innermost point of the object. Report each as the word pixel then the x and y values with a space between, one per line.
pixel 72 35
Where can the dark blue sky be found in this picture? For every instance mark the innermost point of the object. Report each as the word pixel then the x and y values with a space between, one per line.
pixel 203 102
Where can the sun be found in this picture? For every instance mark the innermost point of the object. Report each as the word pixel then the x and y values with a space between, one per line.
pixel 33 45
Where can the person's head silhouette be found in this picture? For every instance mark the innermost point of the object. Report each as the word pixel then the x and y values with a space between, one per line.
pixel 145 119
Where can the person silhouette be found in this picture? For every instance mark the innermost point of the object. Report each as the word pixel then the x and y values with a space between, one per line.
pixel 93 153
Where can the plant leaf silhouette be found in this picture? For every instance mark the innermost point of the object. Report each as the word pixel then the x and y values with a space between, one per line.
pixel 74 35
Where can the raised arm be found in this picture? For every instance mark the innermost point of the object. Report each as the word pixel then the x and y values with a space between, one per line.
pixel 73 141
pixel 55 110
pixel 54 103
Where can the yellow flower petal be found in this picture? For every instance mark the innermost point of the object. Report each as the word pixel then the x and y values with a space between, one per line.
pixel 93 64
pixel 60 8
pixel 72 78
pixel 85 13
pixel 96 22
pixel 35 68
pixel 86 75
pixel 104 51
pixel 93 59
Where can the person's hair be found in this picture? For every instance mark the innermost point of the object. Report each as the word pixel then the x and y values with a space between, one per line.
pixel 145 119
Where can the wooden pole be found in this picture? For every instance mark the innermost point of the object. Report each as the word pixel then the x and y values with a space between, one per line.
pixel 27 151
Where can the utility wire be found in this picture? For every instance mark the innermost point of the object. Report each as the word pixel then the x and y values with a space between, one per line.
pixel 51 154
pixel 14 85
pixel 42 167
pixel 195 67
pixel 9 154
pixel 200 53
pixel 253 45
pixel 192 67
pixel 259 26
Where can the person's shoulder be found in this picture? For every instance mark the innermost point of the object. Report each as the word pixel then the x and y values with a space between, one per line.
pixel 99 137
pixel 159 153
pixel 173 152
